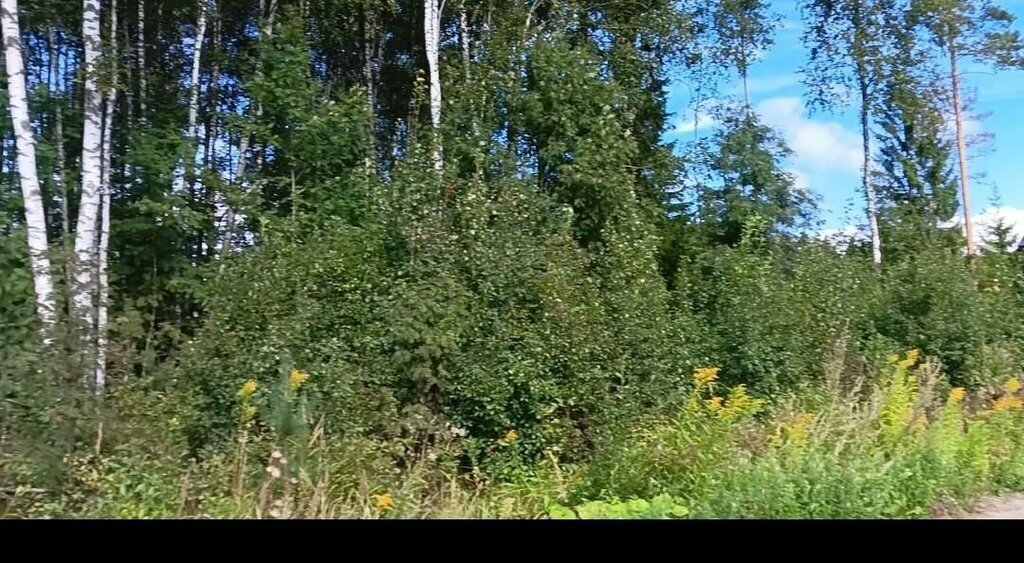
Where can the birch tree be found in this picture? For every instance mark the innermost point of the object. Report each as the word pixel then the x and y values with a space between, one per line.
pixel 743 28
pixel 193 100
pixel 846 39
pixel 140 55
pixel 102 284
pixel 432 39
pixel 92 148
pixel 35 217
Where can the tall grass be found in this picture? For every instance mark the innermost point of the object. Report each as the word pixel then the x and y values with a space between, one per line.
pixel 902 445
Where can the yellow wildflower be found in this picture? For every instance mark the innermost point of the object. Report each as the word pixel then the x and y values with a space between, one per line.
pixel 248 412
pixel 383 502
pixel 740 403
pixel 956 395
pixel 715 403
pixel 912 356
pixel 511 436
pixel 704 376
pixel 1011 386
pixel 1007 403
pixel 892 358
pixel 797 430
pixel 296 379
pixel 247 390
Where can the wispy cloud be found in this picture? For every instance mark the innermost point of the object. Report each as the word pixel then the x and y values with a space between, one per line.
pixel 824 146
pixel 972 127
pixel 766 84
pixel 687 123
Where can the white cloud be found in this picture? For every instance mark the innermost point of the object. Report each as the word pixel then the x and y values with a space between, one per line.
pixel 844 237
pixel 686 123
pixel 824 146
pixel 790 25
pixel 1012 217
pixel 985 221
pixel 972 128
pixel 800 181
pixel 763 84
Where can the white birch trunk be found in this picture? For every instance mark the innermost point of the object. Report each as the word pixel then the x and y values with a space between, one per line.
pixel 193 101
pixel 102 285
pixel 140 54
pixel 35 216
pixel 432 35
pixel 88 210
pixel 197 52
pixel 464 40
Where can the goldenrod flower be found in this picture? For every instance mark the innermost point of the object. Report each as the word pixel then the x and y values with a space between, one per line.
pixel 802 421
pixel 892 358
pixel 704 376
pixel 912 356
pixel 248 412
pixel 1011 386
pixel 296 379
pixel 1007 403
pixel 956 395
pixel 247 390
pixel 715 403
pixel 383 502
pixel 739 404
pixel 511 436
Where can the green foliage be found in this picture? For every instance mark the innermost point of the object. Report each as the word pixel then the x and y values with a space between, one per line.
pixel 747 161
pixel 323 323
pixel 659 507
pixel 850 460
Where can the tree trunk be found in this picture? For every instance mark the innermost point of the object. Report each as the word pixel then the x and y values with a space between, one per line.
pixel 746 92
pixel 60 178
pixel 432 40
pixel 369 43
pixel 197 52
pixel 92 133
pixel 186 167
pixel 229 219
pixel 102 285
pixel 464 40
pixel 209 239
pixel 869 189
pixel 35 216
pixel 140 55
pixel 961 151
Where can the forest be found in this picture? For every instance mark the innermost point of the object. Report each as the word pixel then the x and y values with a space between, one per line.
pixel 441 259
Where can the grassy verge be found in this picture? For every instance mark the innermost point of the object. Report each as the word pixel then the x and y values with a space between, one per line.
pixel 901 446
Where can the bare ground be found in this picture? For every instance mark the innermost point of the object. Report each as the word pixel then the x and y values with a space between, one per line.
pixel 1003 507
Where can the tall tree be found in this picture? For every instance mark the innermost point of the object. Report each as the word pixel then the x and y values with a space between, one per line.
pixel 846 39
pixel 102 275
pixel 25 144
pixel 432 43
pixel 140 58
pixel 917 188
pixel 746 183
pixel 743 28
pixel 976 31
pixel 91 164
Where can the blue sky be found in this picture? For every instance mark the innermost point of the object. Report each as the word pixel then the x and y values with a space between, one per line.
pixel 827 145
